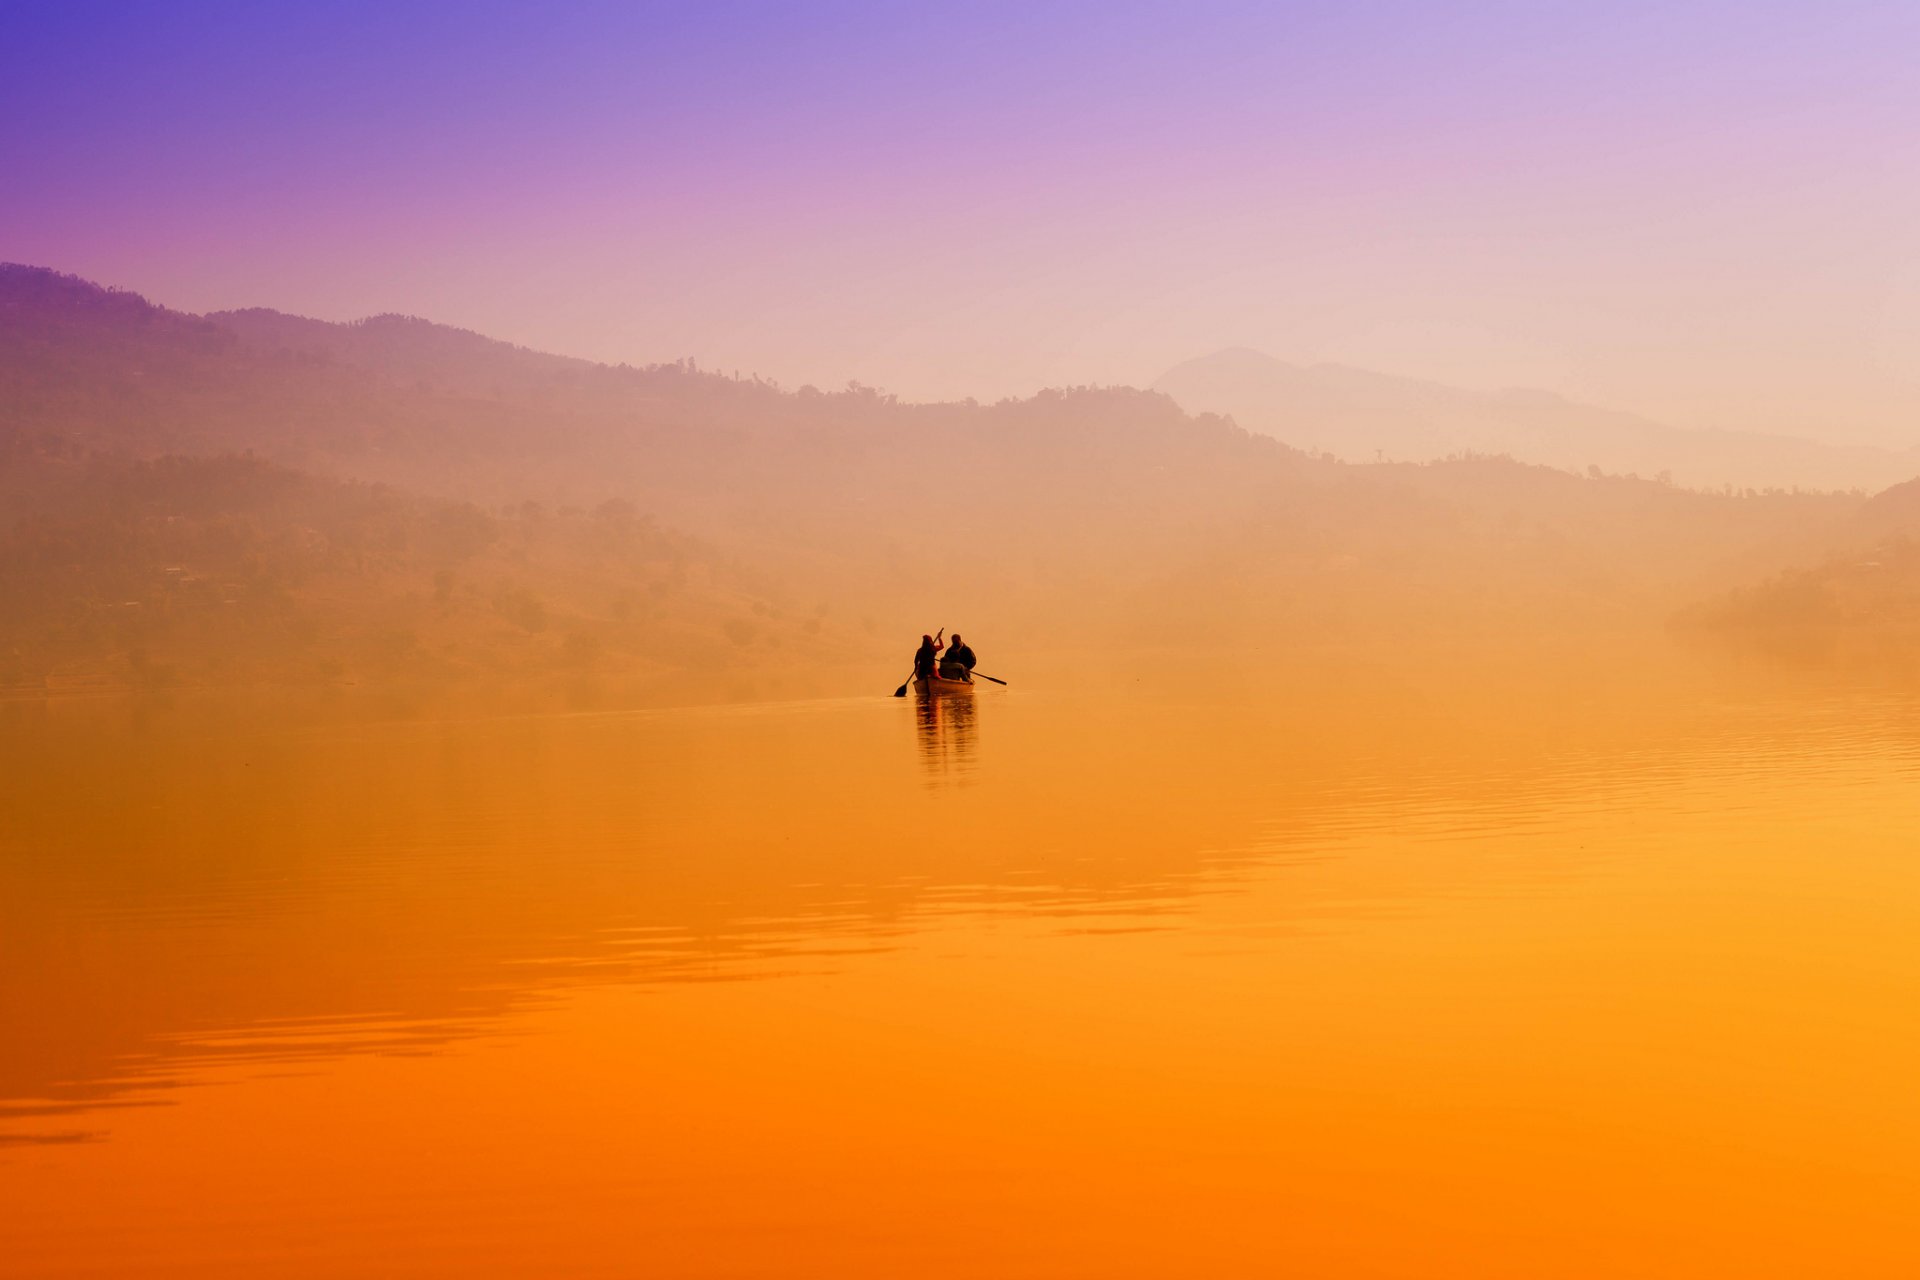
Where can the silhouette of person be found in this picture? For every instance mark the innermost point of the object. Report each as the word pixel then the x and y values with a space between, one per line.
pixel 926 658
pixel 958 664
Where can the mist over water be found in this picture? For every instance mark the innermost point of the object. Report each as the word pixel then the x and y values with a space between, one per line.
pixel 457 825
pixel 1405 959
pixel 1431 491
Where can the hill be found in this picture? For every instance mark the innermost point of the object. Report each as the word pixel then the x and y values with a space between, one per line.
pixel 1360 416
pixel 194 571
pixel 1091 516
pixel 1854 586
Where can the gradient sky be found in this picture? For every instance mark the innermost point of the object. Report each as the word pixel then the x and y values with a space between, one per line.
pixel 1706 212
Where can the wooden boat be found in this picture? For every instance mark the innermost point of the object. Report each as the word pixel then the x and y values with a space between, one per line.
pixel 941 687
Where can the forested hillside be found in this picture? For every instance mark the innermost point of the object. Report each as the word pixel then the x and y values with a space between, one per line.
pixel 230 569
pixel 193 497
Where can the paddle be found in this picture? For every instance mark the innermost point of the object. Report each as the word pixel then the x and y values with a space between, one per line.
pixel 984 676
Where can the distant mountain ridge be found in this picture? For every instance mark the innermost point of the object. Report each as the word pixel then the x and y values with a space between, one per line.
pixel 406 347
pixel 1080 512
pixel 1361 416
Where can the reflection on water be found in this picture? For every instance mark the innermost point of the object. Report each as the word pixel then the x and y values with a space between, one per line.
pixel 1374 968
pixel 948 737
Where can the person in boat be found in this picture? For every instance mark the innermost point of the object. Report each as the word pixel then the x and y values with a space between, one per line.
pixel 926 659
pixel 958 664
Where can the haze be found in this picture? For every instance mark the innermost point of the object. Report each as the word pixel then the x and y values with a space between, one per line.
pixel 1431 496
pixel 1701 213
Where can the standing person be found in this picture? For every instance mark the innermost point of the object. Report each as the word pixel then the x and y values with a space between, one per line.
pixel 926 659
pixel 958 664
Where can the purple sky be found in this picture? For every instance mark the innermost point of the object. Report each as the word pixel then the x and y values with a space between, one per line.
pixel 1709 213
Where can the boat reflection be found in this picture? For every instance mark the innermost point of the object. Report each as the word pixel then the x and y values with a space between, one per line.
pixel 949 737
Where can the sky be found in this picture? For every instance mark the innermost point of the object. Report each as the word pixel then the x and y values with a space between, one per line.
pixel 1708 213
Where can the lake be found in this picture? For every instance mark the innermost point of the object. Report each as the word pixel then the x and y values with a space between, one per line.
pixel 1490 963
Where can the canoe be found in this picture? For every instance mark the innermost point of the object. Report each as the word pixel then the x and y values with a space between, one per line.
pixel 939 687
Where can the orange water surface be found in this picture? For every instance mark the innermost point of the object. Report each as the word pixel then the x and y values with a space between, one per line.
pixel 1359 968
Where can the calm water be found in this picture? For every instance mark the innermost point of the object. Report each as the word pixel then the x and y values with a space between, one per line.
pixel 1498 967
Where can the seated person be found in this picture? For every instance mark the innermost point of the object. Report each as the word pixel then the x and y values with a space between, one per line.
pixel 958 663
